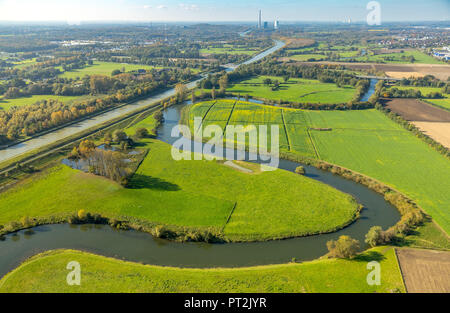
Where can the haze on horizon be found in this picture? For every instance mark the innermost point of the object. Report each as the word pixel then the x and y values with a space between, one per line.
pixel 210 10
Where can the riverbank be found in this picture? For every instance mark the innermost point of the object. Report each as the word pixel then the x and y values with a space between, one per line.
pixel 47 273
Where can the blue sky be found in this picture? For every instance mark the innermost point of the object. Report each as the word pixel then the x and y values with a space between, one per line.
pixel 225 10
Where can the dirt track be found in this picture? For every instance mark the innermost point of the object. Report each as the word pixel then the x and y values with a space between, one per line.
pixel 415 110
pixel 425 270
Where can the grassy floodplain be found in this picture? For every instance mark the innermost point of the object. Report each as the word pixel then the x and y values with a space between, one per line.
pixel 194 194
pixel 47 273
pixel 296 90
pixel 365 141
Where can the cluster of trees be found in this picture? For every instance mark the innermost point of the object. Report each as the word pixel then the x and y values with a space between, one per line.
pixel 31 119
pixel 410 93
pixel 345 247
pixel 425 81
pixel 106 163
pixel 217 81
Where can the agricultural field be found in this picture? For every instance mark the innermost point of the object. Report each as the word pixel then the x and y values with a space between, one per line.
pixel 163 191
pixel 308 56
pixel 6 104
pixel 365 141
pixel 295 90
pixel 293 130
pixel 103 68
pixel 400 57
pixel 46 273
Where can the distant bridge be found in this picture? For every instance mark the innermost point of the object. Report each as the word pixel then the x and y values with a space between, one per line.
pixel 378 77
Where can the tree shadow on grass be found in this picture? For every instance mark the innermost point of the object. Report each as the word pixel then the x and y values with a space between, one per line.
pixel 139 181
pixel 370 256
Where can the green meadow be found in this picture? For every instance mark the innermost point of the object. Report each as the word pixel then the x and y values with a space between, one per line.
pixel 293 130
pixel 104 68
pixel 46 273
pixel 295 90
pixel 196 194
pixel 6 104
pixel 365 141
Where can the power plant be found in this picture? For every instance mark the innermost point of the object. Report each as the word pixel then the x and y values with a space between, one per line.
pixel 265 24
pixel 259 19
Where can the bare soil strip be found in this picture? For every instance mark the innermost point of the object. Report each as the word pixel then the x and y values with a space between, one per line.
pixel 425 270
pixel 438 131
pixel 415 110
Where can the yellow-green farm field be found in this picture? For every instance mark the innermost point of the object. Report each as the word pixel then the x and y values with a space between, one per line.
pixel 365 141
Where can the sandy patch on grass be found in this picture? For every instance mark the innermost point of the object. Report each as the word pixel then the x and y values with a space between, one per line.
pixel 438 131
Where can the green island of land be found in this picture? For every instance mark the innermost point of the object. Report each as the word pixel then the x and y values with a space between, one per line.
pixel 244 206
pixel 47 273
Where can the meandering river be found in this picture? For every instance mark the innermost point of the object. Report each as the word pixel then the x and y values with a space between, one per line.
pixel 141 247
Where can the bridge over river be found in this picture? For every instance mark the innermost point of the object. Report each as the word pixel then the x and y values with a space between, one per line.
pixel 378 77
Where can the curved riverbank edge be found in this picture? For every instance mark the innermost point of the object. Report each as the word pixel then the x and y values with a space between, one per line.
pixel 411 214
pixel 177 233
pixel 286 277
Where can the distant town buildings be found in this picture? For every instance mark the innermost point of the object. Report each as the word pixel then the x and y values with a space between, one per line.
pixel 276 24
pixel 443 53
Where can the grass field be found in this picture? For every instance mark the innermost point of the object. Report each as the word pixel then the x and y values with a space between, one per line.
pixel 6 104
pixel 47 273
pixel 306 57
pixel 365 141
pixel 196 194
pixel 293 130
pixel 296 90
pixel 104 68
